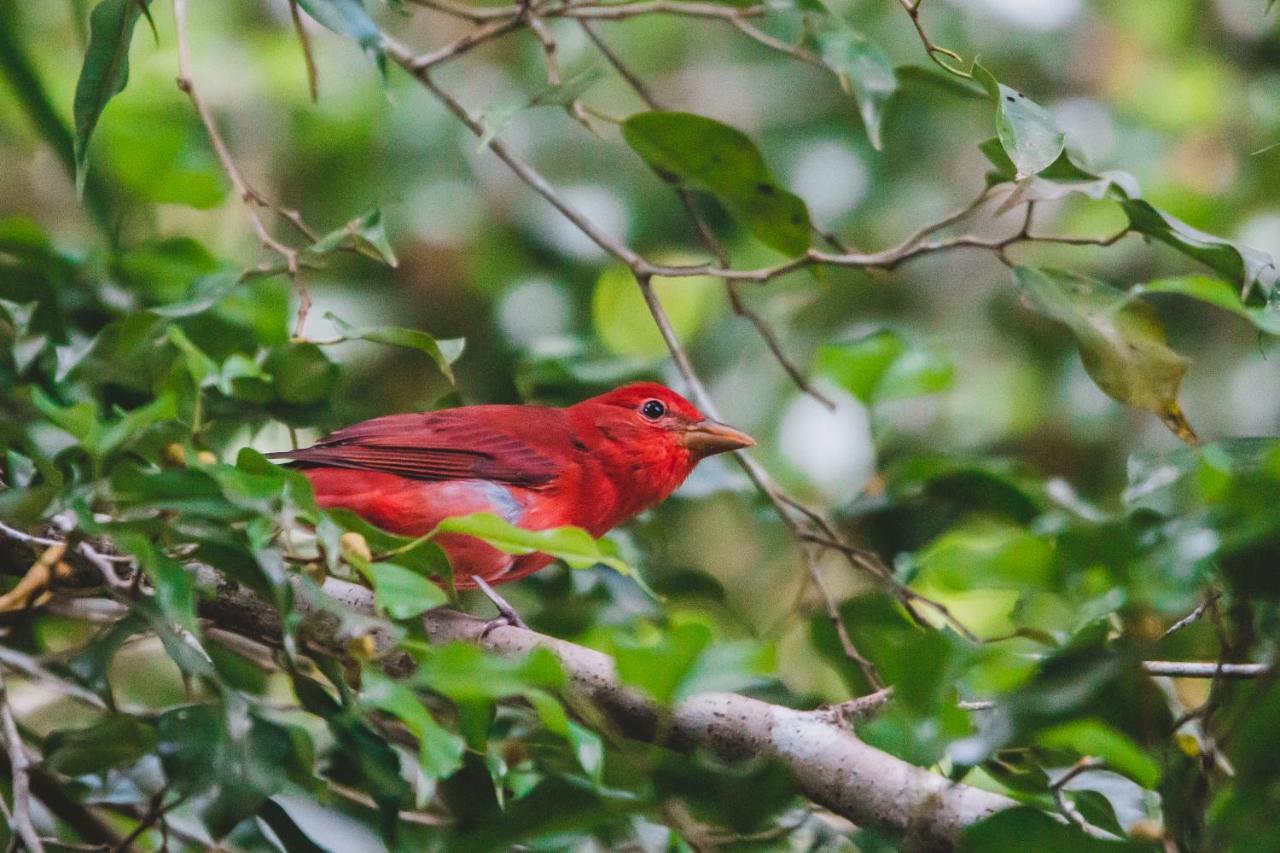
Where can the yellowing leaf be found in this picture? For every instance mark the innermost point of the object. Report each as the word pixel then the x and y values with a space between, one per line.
pixel 1121 341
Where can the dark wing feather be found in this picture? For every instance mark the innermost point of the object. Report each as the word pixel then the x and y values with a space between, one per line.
pixel 445 445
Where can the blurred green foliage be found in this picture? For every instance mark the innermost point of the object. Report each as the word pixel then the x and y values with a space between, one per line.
pixel 979 440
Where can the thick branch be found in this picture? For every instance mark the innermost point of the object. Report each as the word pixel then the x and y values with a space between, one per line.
pixel 829 763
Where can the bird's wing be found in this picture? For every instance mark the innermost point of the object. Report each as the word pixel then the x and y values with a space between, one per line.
pixel 479 442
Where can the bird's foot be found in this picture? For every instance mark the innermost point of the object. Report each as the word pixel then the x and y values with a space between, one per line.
pixel 507 615
pixel 502 621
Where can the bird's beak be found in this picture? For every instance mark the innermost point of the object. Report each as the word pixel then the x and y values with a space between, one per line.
pixel 708 437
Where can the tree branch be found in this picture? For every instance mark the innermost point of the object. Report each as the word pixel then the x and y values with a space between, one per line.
pixel 829 763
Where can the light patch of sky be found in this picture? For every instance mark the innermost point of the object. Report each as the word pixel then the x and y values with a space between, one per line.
pixel 1254 392
pixel 833 449
pixel 534 309
pixel 1090 130
pixel 1262 231
pixel 830 177
pixel 599 205
pixel 445 212
pixel 1246 19
pixel 1043 15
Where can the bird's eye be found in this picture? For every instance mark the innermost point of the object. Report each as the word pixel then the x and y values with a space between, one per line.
pixel 653 409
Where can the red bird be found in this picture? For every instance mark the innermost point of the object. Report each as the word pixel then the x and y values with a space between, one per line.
pixel 594 465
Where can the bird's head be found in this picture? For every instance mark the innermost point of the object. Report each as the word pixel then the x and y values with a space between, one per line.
pixel 646 413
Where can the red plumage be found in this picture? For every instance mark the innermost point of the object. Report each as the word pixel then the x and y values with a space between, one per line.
pixel 594 465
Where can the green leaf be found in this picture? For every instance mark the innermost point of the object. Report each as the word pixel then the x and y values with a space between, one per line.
pixel 1218 293
pixel 439 750
pixel 1122 343
pixel 203 369
pixel 163 154
pixel 443 352
pixel 588 748
pixel 366 234
pixel 1063 178
pixel 419 555
pixel 496 117
pixel 1023 829
pixel 199 754
pixel 114 742
pixel 988 554
pixel 883 366
pixel 1251 267
pixel 621 318
pixel 236 670
pixel 81 420
pixel 175 589
pixel 205 292
pixel 105 71
pixel 930 77
pixel 700 153
pixel 402 593
pixel 301 373
pixel 864 72
pixel 122 432
pixel 1097 739
pixel 659 666
pixel 466 674
pixel 1028 132
pixel 349 18
pixel 575 546
pixel 1248 266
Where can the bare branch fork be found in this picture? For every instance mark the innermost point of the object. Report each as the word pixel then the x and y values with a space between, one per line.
pixel 254 202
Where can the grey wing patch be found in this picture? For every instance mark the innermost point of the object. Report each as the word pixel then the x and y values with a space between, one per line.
pixel 504 503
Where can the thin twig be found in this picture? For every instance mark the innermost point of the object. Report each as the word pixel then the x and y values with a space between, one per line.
pixel 474 14
pixel 32 668
pixel 707 237
pixel 1206 669
pixel 251 198
pixel 935 52
pixel 18 767
pixel 850 650
pixel 1193 616
pixel 622 11
pixel 633 80
pixel 105 563
pixel 155 811
pixel 794 50
pixel 304 41
pixel 489 30
pixel 1068 809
